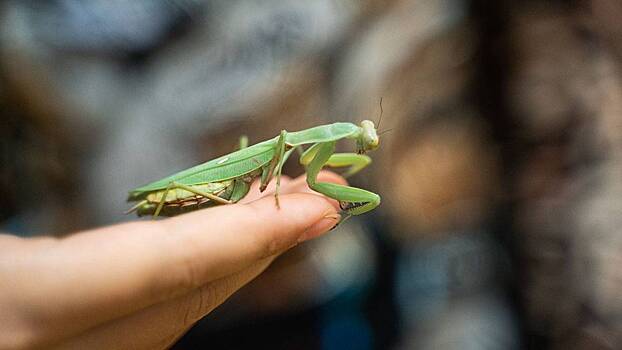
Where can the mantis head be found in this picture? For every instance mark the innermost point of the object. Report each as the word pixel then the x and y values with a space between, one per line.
pixel 368 139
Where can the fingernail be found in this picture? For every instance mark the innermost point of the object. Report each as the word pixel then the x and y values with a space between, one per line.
pixel 320 227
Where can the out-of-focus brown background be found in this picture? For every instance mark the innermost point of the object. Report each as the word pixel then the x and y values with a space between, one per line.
pixel 499 166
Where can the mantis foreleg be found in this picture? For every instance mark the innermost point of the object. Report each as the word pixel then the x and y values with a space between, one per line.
pixel 355 161
pixel 353 200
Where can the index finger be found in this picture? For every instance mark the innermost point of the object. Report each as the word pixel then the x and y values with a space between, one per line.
pixel 110 272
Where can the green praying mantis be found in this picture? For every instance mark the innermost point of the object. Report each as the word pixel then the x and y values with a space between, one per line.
pixel 227 179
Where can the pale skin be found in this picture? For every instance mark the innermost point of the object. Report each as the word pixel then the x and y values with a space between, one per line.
pixel 142 285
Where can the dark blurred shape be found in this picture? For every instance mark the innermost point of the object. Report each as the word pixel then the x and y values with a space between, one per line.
pixel 562 98
pixel 111 27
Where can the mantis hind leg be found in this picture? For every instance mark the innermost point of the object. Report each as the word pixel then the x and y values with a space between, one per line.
pixel 208 195
pixel 162 200
pixel 174 185
pixel 353 201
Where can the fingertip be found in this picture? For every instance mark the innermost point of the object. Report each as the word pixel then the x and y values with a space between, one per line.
pixel 327 223
pixel 275 229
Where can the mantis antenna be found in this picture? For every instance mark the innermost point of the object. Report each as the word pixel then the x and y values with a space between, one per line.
pixel 380 118
pixel 384 131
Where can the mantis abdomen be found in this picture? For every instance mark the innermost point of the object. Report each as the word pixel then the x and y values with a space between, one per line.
pixel 175 201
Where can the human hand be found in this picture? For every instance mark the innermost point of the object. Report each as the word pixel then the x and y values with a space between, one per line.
pixel 142 285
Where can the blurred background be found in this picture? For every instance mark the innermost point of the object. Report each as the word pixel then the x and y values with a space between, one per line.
pixel 501 221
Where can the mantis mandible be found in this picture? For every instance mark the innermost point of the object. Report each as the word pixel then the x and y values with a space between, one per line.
pixel 227 179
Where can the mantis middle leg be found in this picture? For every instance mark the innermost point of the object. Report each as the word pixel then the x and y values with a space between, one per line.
pixel 281 154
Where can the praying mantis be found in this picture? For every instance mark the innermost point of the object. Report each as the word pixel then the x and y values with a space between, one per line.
pixel 227 179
